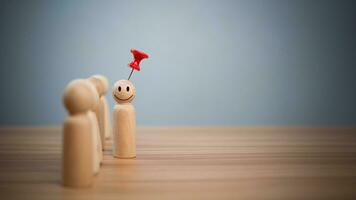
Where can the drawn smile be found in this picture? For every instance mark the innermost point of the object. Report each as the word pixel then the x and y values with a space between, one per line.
pixel 122 99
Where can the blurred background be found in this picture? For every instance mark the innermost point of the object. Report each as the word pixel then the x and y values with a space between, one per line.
pixel 211 62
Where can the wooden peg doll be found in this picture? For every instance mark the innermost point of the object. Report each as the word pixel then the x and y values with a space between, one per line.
pixel 102 110
pixel 77 155
pixel 95 132
pixel 124 120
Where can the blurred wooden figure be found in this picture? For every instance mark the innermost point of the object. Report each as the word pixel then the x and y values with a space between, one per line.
pixel 77 169
pixel 124 120
pixel 96 146
pixel 102 111
pixel 95 132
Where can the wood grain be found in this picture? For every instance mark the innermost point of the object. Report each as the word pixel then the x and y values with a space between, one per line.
pixel 191 163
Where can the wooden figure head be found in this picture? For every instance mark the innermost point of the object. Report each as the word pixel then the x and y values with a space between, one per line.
pixel 123 91
pixel 101 83
pixel 80 96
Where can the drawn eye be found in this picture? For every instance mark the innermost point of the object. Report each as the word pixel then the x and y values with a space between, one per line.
pixel 127 88
pixel 119 89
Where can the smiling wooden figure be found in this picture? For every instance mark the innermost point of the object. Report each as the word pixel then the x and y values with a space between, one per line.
pixel 124 126
pixel 124 119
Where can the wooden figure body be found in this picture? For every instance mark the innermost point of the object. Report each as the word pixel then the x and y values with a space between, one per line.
pixel 102 110
pixel 96 145
pixel 106 116
pixel 124 120
pixel 77 155
pixel 95 131
pixel 124 131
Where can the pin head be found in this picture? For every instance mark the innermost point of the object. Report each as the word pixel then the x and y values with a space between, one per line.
pixel 138 57
pixel 123 91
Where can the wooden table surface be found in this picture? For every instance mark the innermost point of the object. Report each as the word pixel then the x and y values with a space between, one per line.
pixel 191 163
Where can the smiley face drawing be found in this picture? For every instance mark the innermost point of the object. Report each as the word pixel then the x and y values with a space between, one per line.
pixel 123 91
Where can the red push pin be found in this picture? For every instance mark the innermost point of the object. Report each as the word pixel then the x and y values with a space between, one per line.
pixel 135 63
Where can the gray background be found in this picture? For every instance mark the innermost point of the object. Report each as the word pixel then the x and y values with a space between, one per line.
pixel 211 62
